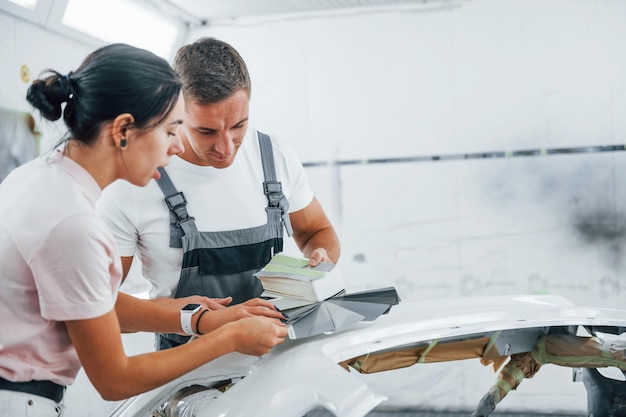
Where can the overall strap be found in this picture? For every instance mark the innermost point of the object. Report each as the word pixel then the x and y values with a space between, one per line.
pixel 278 205
pixel 176 202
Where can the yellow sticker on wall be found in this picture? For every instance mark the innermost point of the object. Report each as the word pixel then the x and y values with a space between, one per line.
pixel 25 73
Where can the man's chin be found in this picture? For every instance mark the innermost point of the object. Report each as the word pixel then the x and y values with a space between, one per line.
pixel 220 164
pixel 223 165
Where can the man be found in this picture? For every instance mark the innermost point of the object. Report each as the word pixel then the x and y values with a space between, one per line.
pixel 218 213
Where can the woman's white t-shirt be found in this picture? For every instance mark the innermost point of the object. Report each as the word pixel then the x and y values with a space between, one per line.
pixel 58 262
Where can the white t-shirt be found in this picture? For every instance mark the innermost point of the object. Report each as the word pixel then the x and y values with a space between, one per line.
pixel 58 262
pixel 219 199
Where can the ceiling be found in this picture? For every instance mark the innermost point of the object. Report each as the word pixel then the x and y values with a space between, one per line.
pixel 200 12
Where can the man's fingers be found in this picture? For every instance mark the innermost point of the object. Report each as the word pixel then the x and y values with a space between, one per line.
pixel 317 256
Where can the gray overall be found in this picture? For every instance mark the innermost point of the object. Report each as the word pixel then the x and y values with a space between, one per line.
pixel 221 264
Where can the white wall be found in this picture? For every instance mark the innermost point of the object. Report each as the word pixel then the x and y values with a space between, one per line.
pixel 490 75
pixel 24 43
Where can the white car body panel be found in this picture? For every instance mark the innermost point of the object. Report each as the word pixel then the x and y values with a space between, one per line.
pixel 300 375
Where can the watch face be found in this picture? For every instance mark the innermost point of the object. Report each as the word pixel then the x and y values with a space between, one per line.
pixel 191 307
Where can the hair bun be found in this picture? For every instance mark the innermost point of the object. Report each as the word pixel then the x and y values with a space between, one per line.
pixel 47 95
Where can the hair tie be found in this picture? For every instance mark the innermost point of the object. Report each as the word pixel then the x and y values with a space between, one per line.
pixel 66 86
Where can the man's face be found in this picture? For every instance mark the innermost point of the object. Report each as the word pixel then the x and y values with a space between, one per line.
pixel 213 133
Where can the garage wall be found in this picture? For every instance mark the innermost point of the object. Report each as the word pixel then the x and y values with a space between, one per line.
pixel 26 44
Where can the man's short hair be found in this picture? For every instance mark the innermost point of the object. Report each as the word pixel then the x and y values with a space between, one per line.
pixel 211 71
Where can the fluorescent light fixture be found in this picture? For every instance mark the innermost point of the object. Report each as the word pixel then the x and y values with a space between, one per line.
pixel 123 21
pixel 29 4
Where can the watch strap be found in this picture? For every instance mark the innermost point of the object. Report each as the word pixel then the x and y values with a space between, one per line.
pixel 185 321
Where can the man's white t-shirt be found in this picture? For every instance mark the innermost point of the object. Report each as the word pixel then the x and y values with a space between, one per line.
pixel 58 261
pixel 219 199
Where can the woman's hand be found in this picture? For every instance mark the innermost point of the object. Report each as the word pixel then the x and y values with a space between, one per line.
pixel 256 307
pixel 206 302
pixel 255 335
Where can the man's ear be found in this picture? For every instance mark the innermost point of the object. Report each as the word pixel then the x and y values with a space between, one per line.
pixel 119 129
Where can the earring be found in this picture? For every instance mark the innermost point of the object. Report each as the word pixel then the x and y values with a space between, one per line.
pixel 123 143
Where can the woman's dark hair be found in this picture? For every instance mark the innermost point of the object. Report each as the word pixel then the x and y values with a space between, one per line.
pixel 112 80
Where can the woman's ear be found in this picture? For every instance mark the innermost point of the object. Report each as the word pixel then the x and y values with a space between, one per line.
pixel 119 129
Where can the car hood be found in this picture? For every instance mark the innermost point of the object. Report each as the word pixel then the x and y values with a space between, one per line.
pixel 302 374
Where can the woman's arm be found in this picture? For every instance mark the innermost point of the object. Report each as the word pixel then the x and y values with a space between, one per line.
pixel 162 315
pixel 116 376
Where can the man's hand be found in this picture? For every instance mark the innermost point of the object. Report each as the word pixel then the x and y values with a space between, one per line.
pixel 319 255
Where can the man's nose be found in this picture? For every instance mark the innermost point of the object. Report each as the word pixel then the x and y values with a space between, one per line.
pixel 225 144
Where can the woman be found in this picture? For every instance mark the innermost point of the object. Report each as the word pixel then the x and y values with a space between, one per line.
pixel 59 266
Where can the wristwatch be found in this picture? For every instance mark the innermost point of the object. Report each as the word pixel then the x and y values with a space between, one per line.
pixel 185 317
